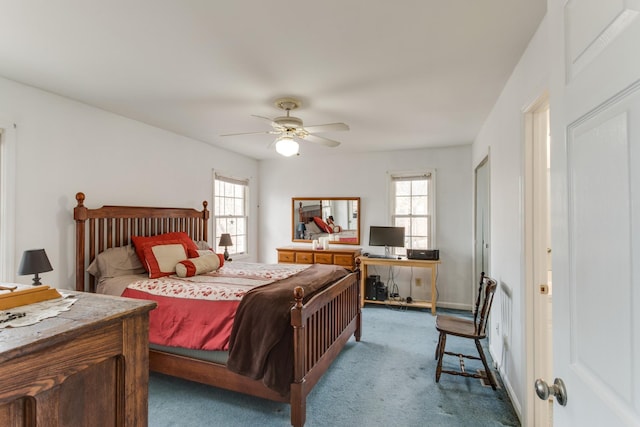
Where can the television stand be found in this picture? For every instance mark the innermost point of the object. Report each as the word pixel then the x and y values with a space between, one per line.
pixel 365 261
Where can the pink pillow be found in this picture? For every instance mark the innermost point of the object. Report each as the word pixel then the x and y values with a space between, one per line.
pixel 323 225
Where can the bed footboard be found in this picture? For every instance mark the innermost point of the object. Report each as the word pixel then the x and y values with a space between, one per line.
pixel 321 328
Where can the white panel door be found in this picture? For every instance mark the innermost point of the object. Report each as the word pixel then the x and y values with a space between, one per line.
pixel 595 203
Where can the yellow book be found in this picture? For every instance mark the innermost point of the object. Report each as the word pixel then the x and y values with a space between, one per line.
pixel 26 296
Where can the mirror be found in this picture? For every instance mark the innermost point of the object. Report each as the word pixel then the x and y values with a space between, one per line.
pixel 311 219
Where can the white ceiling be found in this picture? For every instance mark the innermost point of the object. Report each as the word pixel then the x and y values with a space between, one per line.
pixel 402 74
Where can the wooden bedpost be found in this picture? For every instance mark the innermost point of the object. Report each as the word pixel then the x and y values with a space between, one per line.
pixel 298 393
pixel 205 222
pixel 80 215
pixel 358 333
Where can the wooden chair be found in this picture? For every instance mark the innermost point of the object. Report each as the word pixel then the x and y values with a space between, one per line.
pixel 466 328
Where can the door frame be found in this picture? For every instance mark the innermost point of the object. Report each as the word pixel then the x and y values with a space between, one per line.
pixel 485 162
pixel 538 354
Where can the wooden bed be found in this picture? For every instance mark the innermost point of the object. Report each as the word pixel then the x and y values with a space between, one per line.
pixel 321 326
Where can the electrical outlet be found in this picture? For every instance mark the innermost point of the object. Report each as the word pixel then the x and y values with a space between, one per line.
pixel 418 281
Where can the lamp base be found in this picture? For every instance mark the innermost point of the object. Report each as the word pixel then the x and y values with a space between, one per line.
pixel 36 280
pixel 226 254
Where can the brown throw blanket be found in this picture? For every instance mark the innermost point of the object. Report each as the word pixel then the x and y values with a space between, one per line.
pixel 261 342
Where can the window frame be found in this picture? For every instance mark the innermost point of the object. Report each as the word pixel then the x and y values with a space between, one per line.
pixel 7 200
pixel 236 249
pixel 430 174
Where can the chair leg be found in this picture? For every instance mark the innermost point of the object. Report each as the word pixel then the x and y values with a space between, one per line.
pixel 442 341
pixel 486 365
pixel 438 346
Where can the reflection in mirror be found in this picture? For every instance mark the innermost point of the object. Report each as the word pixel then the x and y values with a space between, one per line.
pixel 337 218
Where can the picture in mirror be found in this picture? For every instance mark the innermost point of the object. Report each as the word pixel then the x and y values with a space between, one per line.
pixel 337 218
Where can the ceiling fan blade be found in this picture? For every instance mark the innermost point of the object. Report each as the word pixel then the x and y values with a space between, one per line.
pixel 251 133
pixel 321 140
pixel 330 127
pixel 262 117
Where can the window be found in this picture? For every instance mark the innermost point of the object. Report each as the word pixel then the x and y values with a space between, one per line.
pixel 412 208
pixel 230 201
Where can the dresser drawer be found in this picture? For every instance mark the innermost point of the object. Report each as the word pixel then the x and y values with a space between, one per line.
pixel 323 258
pixel 347 261
pixel 289 257
pixel 338 256
pixel 304 258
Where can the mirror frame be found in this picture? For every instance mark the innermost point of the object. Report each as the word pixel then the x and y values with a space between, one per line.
pixel 295 216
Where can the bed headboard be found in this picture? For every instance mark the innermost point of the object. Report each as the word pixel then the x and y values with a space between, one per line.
pixel 113 226
pixel 306 213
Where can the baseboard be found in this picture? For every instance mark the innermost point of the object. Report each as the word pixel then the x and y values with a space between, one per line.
pixel 454 305
pixel 509 389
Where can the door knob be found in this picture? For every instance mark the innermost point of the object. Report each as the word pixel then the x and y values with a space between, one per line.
pixel 557 389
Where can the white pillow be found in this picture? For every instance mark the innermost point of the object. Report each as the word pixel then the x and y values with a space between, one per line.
pixel 194 266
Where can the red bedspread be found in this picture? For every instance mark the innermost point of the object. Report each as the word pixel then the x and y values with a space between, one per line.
pixel 199 312
pixel 189 323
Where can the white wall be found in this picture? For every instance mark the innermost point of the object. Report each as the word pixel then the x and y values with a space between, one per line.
pixel 365 175
pixel 63 147
pixel 502 136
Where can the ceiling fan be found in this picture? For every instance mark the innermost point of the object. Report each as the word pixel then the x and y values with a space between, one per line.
pixel 290 129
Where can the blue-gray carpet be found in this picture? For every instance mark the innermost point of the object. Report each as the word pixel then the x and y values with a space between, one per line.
pixel 385 379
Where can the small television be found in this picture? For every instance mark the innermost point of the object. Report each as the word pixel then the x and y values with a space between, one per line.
pixel 389 237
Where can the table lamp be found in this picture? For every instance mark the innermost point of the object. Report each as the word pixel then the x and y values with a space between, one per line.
pixel 225 240
pixel 34 261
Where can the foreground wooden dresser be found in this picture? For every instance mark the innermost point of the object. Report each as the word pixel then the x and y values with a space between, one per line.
pixel 86 367
pixel 299 255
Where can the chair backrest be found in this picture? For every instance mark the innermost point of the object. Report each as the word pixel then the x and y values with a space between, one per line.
pixel 484 301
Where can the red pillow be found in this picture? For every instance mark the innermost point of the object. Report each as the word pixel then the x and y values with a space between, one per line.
pixel 323 225
pixel 162 257
pixel 139 242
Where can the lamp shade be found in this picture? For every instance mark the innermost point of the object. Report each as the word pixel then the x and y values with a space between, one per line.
pixel 286 146
pixel 34 261
pixel 225 240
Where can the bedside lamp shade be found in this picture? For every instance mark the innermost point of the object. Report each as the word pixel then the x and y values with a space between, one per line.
pixel 34 261
pixel 225 240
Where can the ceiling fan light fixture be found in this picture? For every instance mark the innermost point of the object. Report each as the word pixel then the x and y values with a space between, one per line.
pixel 286 146
pixel 289 127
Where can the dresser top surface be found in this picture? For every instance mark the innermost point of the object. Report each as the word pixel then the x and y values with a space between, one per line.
pixel 91 311
pixel 308 249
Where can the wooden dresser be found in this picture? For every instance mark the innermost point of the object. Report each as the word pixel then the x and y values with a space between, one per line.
pixel 300 255
pixel 86 366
